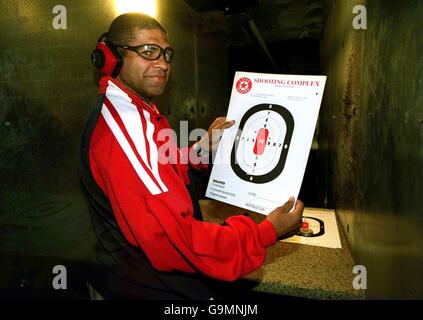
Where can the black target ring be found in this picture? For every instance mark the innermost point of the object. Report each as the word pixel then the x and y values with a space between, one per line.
pixel 277 170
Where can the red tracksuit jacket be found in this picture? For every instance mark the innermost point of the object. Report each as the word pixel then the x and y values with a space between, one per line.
pixel 150 200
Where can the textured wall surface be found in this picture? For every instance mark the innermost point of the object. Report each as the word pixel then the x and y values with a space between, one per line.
pixel 277 20
pixel 371 139
pixel 47 89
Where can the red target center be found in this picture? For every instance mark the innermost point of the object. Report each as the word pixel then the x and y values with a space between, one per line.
pixel 261 141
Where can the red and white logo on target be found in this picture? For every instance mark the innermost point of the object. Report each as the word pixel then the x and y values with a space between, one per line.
pixel 244 85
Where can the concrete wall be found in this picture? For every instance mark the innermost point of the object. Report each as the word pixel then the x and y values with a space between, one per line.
pixel 198 76
pixel 371 139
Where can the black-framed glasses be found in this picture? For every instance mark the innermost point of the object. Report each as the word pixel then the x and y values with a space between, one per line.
pixel 151 51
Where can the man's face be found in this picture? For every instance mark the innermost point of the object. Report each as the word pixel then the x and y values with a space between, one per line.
pixel 148 78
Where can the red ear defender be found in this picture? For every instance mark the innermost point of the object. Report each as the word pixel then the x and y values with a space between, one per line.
pixel 106 58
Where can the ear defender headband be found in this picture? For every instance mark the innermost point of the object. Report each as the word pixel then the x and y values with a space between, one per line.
pixel 106 58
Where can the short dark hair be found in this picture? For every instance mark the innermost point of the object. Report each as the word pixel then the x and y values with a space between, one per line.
pixel 122 28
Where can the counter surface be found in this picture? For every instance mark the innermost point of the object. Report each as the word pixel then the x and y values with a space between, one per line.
pixel 296 270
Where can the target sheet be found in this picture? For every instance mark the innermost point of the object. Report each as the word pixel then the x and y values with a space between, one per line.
pixel 261 159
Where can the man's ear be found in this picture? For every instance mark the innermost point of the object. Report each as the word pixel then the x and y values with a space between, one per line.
pixel 107 58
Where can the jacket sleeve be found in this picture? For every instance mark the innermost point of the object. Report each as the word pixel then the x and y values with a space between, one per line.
pixel 173 240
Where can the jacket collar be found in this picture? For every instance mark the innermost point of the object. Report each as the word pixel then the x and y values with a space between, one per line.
pixel 139 101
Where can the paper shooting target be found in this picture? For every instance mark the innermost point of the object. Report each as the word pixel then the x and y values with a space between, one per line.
pixel 262 143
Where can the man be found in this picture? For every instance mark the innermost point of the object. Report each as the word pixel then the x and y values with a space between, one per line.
pixel 152 241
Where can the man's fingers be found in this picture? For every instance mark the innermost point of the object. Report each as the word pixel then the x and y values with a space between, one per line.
pixel 226 124
pixel 217 131
pixel 218 121
pixel 221 123
pixel 299 207
pixel 288 205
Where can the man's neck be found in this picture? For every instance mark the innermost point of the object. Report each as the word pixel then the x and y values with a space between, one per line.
pixel 145 99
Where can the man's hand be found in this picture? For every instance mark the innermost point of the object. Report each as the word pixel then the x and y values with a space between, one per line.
pixel 210 141
pixel 287 223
